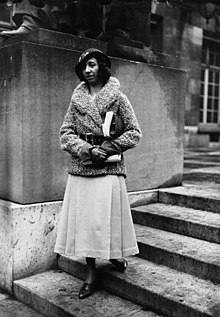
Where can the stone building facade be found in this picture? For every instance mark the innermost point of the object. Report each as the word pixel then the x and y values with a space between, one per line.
pixel 194 45
pixel 195 42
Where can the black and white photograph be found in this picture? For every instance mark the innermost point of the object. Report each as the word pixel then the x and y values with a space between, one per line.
pixel 109 158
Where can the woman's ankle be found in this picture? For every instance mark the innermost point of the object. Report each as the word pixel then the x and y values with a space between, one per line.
pixel 91 270
pixel 91 276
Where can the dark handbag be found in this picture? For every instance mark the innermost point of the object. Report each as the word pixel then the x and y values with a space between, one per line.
pixel 112 126
pixel 116 127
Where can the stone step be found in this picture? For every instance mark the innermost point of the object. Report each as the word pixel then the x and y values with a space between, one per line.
pixel 186 221
pixel 157 287
pixel 55 294
pixel 9 307
pixel 193 256
pixel 192 197
pixel 191 164
pixel 203 156
pixel 204 174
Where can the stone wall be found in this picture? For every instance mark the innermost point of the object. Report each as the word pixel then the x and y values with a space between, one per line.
pixel 36 85
pixel 184 40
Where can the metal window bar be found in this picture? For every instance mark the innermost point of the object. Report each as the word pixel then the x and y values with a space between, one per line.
pixel 210 88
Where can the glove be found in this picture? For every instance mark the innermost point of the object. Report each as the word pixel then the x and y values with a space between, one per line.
pixel 92 155
pixel 98 155
pixel 110 148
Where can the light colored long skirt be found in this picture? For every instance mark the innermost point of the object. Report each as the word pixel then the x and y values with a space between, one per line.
pixel 96 220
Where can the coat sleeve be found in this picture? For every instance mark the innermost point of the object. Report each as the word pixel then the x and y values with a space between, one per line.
pixel 132 132
pixel 69 139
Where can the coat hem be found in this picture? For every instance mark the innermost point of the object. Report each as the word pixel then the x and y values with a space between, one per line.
pixel 95 175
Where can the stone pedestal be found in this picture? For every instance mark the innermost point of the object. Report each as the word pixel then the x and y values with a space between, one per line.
pixel 37 79
pixel 27 239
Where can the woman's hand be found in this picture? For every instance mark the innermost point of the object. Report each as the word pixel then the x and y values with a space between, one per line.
pixel 98 155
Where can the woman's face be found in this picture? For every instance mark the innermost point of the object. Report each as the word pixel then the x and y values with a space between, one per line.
pixel 91 72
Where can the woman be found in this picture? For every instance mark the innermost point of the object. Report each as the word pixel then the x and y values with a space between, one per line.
pixel 96 219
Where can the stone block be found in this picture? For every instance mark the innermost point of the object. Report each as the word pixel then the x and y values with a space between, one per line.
pixel 34 100
pixel 157 94
pixel 36 85
pixel 27 239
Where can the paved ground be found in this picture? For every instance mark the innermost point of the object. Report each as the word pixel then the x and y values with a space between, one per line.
pixel 201 168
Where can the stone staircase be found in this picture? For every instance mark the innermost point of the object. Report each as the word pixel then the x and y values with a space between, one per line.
pixel 176 274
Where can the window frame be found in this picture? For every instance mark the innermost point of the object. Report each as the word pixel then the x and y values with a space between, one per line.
pixel 205 82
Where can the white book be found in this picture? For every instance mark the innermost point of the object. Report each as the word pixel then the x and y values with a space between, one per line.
pixel 113 158
pixel 107 123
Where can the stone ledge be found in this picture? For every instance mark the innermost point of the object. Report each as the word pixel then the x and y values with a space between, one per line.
pixel 73 42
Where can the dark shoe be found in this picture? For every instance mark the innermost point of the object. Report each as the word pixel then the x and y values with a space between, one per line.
pixel 120 264
pixel 87 289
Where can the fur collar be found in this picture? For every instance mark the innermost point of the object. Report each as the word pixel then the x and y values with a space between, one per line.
pixel 96 107
pixel 83 102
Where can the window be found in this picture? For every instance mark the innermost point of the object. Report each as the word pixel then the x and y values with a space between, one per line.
pixel 210 83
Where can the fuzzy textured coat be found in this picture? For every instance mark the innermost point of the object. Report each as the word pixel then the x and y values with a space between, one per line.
pixel 86 114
